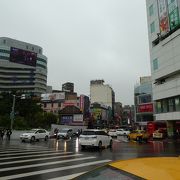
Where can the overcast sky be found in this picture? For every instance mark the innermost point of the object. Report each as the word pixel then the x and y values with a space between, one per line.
pixel 84 40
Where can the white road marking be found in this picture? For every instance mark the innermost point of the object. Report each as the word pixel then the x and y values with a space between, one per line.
pixel 44 164
pixel 36 155
pixel 39 159
pixel 52 170
pixel 21 150
pixel 36 152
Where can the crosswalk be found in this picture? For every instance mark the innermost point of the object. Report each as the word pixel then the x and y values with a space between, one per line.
pixel 44 163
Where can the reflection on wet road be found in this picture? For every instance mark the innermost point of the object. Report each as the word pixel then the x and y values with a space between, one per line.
pixel 64 159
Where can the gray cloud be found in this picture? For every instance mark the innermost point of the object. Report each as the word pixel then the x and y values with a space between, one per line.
pixel 84 40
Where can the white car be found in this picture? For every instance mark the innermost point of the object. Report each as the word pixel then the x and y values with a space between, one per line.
pixel 65 133
pixel 95 138
pixel 35 135
pixel 122 132
pixel 112 132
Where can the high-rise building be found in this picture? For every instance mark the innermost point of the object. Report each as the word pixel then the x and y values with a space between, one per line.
pixel 163 17
pixel 23 67
pixel 102 93
pixel 143 102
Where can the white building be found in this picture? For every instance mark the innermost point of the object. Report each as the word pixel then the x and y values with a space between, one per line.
pixel 23 67
pixel 164 42
pixel 101 93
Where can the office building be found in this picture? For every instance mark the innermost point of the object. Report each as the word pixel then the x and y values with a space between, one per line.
pixel 143 102
pixel 164 41
pixel 23 67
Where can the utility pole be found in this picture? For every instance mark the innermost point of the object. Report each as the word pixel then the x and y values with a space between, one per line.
pixel 12 112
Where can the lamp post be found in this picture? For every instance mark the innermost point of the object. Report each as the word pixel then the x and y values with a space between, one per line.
pixel 12 112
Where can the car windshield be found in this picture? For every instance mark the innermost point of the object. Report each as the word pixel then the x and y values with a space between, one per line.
pixel 88 133
pixel 107 172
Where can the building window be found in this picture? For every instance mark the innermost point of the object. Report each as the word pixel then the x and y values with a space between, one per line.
pixel 151 10
pixel 45 105
pixel 171 105
pixel 4 41
pixel 164 106
pixel 152 27
pixel 177 103
pixel 155 64
pixel 158 107
pixel 52 105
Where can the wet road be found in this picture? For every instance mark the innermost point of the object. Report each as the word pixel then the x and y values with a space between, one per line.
pixel 63 159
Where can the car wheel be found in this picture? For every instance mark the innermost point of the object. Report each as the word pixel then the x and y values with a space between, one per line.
pixel 46 138
pixel 32 139
pixel 100 145
pixel 128 138
pixel 110 144
pixel 22 140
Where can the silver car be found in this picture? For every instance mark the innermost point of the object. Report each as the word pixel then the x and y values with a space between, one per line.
pixel 65 133
pixel 35 135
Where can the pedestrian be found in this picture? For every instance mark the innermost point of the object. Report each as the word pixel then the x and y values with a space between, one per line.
pixel 8 134
pixel 2 133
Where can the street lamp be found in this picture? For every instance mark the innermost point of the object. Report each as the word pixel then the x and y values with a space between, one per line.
pixel 12 112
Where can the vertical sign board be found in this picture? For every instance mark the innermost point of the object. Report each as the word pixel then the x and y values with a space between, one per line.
pixel 163 17
pixel 173 13
pixel 81 103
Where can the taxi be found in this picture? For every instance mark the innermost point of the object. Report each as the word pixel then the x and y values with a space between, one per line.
pixel 138 135
pixel 154 168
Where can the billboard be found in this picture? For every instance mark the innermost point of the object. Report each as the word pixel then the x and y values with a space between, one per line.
pixel 163 17
pixel 53 96
pixel 78 118
pixel 23 57
pixel 66 120
pixel 173 13
pixel 145 108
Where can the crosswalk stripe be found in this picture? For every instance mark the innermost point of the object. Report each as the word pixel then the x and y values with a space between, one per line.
pixel 36 155
pixel 36 152
pixel 44 164
pixel 53 170
pixel 38 159
pixel 68 176
pixel 21 150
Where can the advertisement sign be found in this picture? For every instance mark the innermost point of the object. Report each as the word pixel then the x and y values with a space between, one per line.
pixel 53 96
pixel 145 108
pixel 70 103
pixel 81 103
pixel 163 17
pixel 66 119
pixel 173 13
pixel 23 57
pixel 78 118
pixel 97 113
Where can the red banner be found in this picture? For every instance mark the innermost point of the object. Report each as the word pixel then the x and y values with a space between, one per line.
pixel 145 107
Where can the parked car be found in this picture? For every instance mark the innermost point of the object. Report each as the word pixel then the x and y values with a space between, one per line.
pixel 95 138
pixel 65 133
pixel 138 135
pixel 138 168
pixel 112 133
pixel 121 132
pixel 35 135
